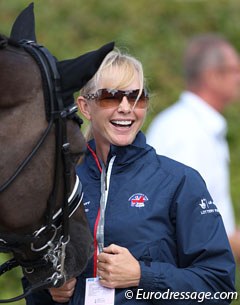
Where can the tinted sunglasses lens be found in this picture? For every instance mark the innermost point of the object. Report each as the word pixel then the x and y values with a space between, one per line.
pixel 142 100
pixel 105 94
pixel 109 99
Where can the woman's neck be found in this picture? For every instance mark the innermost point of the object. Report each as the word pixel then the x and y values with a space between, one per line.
pixel 102 151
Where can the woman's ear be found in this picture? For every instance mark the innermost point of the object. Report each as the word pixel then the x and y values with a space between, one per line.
pixel 83 107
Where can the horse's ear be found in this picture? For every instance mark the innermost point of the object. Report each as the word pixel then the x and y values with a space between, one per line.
pixel 75 73
pixel 24 25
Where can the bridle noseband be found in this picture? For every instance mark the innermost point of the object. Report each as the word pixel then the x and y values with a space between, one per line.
pixel 51 252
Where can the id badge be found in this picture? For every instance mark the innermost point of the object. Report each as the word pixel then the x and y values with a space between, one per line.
pixel 97 294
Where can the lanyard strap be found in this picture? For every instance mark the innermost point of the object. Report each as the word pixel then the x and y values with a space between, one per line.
pixel 105 182
pixel 103 202
pixel 98 233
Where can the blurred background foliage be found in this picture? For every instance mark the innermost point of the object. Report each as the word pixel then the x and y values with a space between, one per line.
pixel 155 32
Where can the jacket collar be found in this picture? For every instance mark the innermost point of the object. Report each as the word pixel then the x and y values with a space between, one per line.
pixel 124 154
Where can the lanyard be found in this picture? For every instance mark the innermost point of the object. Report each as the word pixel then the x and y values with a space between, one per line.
pixel 103 202
pixel 100 220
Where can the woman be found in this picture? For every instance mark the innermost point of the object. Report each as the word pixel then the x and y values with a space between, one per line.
pixel 156 229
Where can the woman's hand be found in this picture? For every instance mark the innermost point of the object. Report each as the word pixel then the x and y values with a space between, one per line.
pixel 117 268
pixel 63 294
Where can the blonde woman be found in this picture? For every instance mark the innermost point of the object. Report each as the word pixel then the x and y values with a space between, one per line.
pixel 156 229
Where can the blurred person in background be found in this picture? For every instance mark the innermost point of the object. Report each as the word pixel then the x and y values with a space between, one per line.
pixel 193 130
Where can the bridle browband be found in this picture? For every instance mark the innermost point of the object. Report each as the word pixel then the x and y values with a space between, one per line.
pixel 52 252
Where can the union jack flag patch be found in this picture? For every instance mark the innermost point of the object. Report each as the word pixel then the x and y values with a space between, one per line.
pixel 138 200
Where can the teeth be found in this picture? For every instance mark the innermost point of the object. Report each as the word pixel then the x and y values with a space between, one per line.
pixel 124 123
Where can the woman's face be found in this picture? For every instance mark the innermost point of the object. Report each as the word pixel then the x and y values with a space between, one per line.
pixel 117 125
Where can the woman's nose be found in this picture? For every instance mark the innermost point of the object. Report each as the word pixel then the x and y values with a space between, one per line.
pixel 124 106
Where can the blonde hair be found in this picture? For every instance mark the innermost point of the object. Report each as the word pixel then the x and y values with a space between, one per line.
pixel 127 67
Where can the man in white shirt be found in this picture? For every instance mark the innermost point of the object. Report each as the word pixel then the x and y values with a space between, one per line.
pixel 193 130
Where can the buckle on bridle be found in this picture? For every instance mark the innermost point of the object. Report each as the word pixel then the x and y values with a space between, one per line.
pixel 48 243
pixel 56 256
pixel 69 111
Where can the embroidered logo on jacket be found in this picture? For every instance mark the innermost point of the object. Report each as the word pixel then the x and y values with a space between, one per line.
pixel 138 200
pixel 85 206
pixel 207 206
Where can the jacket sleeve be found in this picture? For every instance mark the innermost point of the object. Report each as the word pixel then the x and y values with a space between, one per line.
pixel 205 263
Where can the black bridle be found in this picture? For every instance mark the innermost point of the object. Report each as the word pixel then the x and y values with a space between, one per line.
pixel 49 242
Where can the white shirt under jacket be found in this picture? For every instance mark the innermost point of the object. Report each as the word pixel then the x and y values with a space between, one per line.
pixel 192 132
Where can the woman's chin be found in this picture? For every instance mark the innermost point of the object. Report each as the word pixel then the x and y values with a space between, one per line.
pixel 122 141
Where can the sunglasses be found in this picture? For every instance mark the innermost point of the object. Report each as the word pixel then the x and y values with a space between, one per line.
pixel 110 98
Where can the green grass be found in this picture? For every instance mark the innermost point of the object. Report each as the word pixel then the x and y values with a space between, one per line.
pixel 10 282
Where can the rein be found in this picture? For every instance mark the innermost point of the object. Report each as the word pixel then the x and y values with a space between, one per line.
pixel 52 253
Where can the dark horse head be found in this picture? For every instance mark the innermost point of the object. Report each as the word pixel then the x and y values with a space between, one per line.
pixel 42 220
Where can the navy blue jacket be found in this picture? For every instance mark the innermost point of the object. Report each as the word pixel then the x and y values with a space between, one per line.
pixel 163 213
